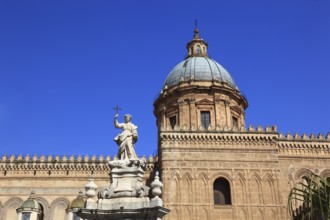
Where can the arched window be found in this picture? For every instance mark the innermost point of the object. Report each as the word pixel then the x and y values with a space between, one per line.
pixel 198 49
pixel 221 192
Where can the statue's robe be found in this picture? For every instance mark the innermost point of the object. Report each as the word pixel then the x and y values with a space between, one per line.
pixel 126 140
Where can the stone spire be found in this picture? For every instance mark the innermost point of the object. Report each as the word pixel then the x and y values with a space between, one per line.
pixel 197 47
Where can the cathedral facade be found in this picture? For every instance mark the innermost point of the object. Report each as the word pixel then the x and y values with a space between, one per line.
pixel 211 164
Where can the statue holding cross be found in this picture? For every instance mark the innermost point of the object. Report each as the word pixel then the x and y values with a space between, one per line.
pixel 127 138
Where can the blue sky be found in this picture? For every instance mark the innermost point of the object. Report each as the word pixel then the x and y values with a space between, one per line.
pixel 64 65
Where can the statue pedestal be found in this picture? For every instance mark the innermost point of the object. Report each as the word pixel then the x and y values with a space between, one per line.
pixel 126 178
pixel 127 182
pixel 127 197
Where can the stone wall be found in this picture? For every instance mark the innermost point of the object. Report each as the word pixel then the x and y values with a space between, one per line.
pixel 248 159
pixel 299 155
pixel 260 165
pixel 55 180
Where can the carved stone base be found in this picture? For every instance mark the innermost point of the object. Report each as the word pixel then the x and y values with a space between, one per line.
pixel 127 197
pixel 126 180
pixel 123 203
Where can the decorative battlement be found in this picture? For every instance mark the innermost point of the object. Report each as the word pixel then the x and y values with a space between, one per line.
pixel 239 139
pixel 304 137
pixel 61 163
pixel 251 128
pixel 214 137
pixel 54 158
pixel 63 159
pixel 303 145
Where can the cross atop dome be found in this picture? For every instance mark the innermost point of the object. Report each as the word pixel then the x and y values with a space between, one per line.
pixel 197 47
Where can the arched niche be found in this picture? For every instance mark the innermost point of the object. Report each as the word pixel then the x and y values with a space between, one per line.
pixel 239 190
pixel 58 209
pixel 45 208
pixel 186 189
pixel 255 189
pixel 268 189
pixel 202 196
pixel 325 174
pixel 9 208
pixel 300 173
pixel 174 188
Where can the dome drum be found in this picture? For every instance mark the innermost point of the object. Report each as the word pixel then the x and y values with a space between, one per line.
pixel 185 107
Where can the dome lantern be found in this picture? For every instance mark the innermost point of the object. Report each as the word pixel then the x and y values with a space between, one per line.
pixel 197 47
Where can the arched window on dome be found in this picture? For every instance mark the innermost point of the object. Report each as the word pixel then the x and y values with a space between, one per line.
pixel 198 49
pixel 173 121
pixel 235 122
pixel 221 192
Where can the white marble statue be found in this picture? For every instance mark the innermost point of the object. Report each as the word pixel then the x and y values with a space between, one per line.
pixel 127 138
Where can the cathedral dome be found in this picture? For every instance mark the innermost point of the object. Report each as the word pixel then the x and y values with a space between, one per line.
pixel 199 93
pixel 199 68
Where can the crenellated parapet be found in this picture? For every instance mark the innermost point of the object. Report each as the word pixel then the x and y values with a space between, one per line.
pixel 54 158
pixel 60 164
pixel 215 137
pixel 218 128
pixel 57 158
pixel 304 145
pixel 224 138
pixel 304 137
